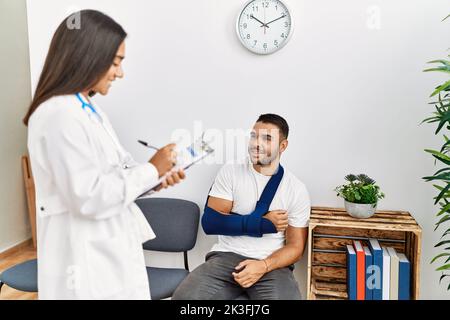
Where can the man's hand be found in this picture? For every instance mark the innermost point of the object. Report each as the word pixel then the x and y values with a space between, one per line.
pixel 252 271
pixel 279 218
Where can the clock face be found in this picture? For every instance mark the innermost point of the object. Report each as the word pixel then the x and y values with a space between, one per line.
pixel 264 26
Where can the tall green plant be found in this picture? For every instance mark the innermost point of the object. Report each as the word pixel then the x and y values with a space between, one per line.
pixel 441 179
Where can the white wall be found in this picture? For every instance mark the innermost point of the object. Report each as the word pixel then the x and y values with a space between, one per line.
pixel 353 95
pixel 15 96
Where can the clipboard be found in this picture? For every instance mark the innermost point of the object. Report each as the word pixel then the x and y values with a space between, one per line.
pixel 188 156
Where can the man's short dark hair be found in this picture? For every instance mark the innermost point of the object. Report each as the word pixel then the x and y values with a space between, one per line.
pixel 276 120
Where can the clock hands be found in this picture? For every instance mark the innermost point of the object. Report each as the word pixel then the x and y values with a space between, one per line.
pixel 267 24
pixel 262 23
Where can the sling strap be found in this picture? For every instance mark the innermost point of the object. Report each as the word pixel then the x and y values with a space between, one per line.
pixel 253 224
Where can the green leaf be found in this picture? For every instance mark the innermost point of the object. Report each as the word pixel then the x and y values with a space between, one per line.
pixel 444 119
pixel 438 69
pixel 438 154
pixel 444 209
pixel 440 256
pixel 444 219
pixel 442 243
pixel 438 187
pixel 442 170
pixel 442 277
pixel 442 160
pixel 445 62
pixel 446 144
pixel 442 176
pixel 445 233
pixel 442 100
pixel 439 197
pixel 441 108
pixel 441 88
pixel 430 120
pixel 444 267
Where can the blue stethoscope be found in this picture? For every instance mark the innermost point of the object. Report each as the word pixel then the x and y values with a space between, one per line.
pixel 92 111
pixel 85 105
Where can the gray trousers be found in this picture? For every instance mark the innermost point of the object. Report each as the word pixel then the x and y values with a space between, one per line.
pixel 213 280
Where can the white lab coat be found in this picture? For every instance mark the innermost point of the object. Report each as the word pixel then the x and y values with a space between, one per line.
pixel 90 231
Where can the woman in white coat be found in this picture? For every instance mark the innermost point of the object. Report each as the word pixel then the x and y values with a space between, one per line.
pixel 90 231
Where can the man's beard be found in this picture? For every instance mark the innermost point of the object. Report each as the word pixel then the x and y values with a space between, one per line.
pixel 265 163
pixel 267 159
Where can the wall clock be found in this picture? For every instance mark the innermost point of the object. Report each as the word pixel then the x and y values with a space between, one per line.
pixel 264 26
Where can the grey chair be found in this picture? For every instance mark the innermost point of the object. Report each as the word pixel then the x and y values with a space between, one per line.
pixel 175 223
pixel 22 277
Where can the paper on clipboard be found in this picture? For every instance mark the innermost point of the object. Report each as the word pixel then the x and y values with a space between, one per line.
pixel 187 156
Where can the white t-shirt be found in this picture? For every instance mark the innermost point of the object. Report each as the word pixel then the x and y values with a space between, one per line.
pixel 243 185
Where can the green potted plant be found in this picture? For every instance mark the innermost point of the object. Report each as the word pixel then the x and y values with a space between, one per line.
pixel 441 178
pixel 361 195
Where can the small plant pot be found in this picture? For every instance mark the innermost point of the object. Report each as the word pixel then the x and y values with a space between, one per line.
pixel 360 211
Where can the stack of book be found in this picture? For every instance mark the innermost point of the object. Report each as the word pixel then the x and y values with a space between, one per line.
pixel 377 273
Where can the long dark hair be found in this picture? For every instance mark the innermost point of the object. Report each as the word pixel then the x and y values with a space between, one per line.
pixel 79 56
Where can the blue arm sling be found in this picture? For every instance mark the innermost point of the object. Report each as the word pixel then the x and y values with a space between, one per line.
pixel 253 224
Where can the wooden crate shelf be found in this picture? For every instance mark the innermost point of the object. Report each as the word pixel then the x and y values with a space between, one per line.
pixel 331 229
pixel 325 290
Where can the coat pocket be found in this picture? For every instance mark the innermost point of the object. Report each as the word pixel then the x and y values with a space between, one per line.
pixel 50 206
pixel 106 267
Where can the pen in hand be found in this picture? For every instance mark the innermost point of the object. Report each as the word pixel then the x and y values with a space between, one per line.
pixel 148 145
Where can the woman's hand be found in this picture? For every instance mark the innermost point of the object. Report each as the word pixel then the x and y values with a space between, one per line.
pixel 165 159
pixel 172 178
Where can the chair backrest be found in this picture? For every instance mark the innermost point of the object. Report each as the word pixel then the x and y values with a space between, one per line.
pixel 30 193
pixel 175 223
